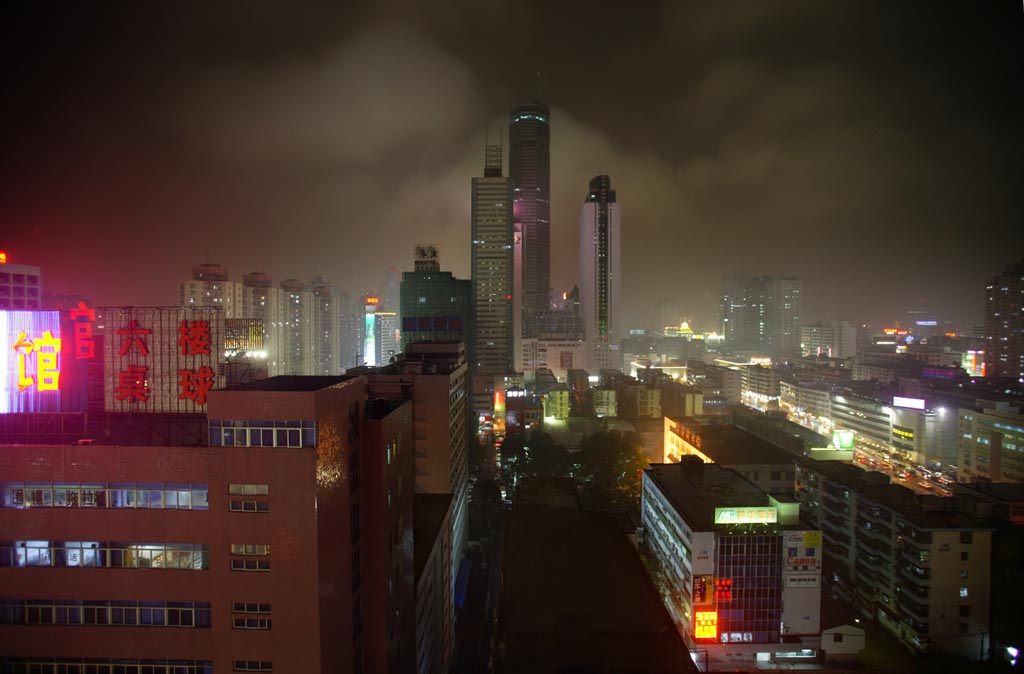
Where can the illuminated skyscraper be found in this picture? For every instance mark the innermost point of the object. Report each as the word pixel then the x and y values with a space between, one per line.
pixel 530 170
pixel 762 313
pixel 491 346
pixel 600 274
pixel 1004 324
pixel 435 306
pixel 388 346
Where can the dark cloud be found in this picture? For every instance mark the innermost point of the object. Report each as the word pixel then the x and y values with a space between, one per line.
pixel 871 148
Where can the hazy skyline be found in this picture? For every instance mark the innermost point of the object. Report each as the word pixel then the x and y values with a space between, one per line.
pixel 871 149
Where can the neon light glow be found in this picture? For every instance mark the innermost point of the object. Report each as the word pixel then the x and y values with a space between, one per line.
pixel 370 339
pixel 746 515
pixel 30 347
pixel 3 257
pixel 373 300
pixel 85 345
pixel 842 439
pixel 705 625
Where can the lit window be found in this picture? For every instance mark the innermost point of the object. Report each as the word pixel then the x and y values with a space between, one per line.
pixel 963 592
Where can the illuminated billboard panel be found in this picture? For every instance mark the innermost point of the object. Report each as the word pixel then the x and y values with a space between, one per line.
pixel 30 364
pixel 910 403
pixel 705 625
pixel 746 515
pixel 370 339
pixel 842 439
pixel 161 359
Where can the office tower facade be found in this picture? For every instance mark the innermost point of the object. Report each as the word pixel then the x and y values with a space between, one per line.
pixel 762 313
pixel 21 286
pixel 737 313
pixel 1004 324
pixel 600 274
pixel 210 287
pixel 529 167
pixel 216 558
pixel 388 326
pixel 435 306
pixel 492 342
pixel 737 566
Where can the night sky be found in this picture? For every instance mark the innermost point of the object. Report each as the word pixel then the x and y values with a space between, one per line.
pixel 872 148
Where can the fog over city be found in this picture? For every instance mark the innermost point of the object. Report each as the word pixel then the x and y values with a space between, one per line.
pixel 871 149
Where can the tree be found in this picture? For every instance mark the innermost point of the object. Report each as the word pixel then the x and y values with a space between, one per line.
pixel 545 458
pixel 611 465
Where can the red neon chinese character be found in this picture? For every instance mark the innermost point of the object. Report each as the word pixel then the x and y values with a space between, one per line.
pixel 194 384
pixel 85 346
pixel 23 344
pixel 132 384
pixel 195 337
pixel 46 364
pixel 133 335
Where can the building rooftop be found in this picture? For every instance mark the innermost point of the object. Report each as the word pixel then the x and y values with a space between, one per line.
pixel 730 445
pixel 926 511
pixel 428 513
pixel 290 383
pixel 577 598
pixel 696 488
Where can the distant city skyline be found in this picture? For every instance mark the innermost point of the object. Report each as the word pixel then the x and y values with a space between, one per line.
pixel 779 141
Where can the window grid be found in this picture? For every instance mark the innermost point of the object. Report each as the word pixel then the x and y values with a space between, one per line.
pixel 105 554
pixel 104 613
pixel 161 496
pixel 262 433
pixel 250 565
pixel 249 489
pixel 22 665
pixel 249 506
pixel 253 666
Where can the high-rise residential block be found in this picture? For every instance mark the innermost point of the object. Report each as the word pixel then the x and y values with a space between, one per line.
pixel 296 355
pixel 529 165
pixel 991 444
pixel 762 313
pixel 924 574
pixel 21 285
pixel 1004 324
pixel 210 287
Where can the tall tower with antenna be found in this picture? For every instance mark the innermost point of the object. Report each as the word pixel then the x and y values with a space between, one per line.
pixel 529 168
pixel 491 345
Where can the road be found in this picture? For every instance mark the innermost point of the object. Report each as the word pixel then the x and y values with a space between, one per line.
pixel 870 459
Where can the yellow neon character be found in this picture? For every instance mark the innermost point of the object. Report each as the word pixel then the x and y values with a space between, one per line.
pixel 22 346
pixel 46 368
